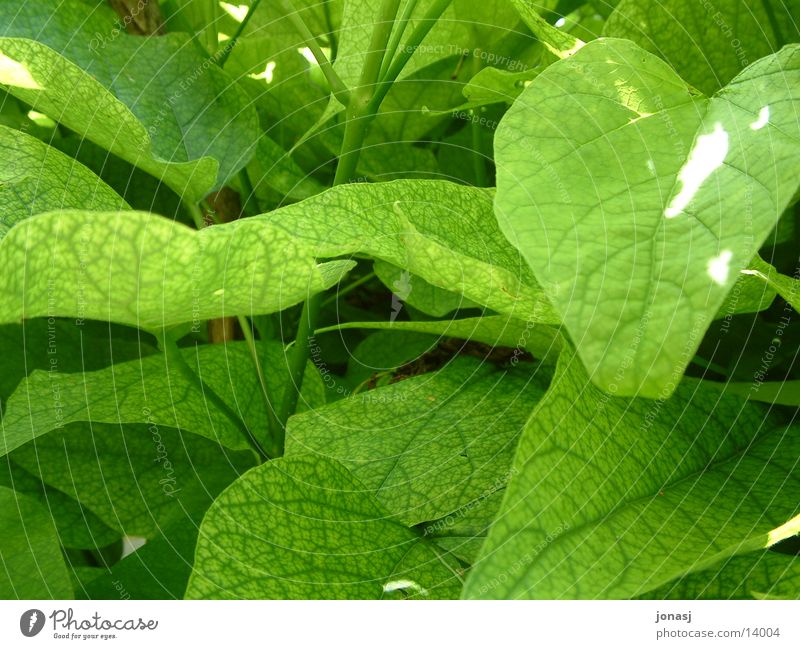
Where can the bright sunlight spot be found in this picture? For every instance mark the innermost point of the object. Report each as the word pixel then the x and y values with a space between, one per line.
pixel 237 12
pixel 708 154
pixel 403 584
pixel 267 74
pixel 14 73
pixel 40 119
pixel 561 22
pixel 763 119
pixel 222 37
pixel 307 55
pixel 719 267
pixel 789 528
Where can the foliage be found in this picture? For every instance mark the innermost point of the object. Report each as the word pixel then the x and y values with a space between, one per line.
pixel 402 299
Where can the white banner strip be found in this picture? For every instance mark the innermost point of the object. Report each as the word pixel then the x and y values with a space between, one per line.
pixel 400 625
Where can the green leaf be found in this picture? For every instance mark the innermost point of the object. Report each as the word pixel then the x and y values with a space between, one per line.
pixel 493 86
pixel 758 575
pixel 152 391
pixel 276 176
pixel 463 531
pixel 787 287
pixel 498 331
pixel 442 232
pixel 305 528
pixel 556 41
pixel 148 271
pixel 618 185
pixel 427 445
pixel 35 177
pixel 160 569
pixel 136 478
pixel 33 344
pixel 418 293
pixel 707 43
pixel 77 527
pixel 31 563
pixel 611 497
pixel 156 103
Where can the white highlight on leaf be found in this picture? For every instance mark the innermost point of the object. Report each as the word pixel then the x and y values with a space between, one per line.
pixel 561 22
pixel 237 12
pixel 14 73
pixel 403 584
pixel 789 528
pixel 707 155
pixel 719 267
pixel 267 74
pixel 651 166
pixel 40 119
pixel 763 119
pixel 308 55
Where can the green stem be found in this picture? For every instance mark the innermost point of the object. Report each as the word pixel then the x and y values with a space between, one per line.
pixel 397 35
pixel 359 111
pixel 774 24
pixel 226 51
pixel 249 199
pixel 272 419
pixel 405 53
pixel 196 213
pixel 175 359
pixel 478 160
pixel 297 364
pixel 339 89
pixel 334 43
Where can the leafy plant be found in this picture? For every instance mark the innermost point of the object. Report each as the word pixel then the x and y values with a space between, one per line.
pixel 399 299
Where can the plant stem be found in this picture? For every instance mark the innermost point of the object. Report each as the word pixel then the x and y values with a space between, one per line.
pixel 249 199
pixel 196 213
pixel 405 53
pixel 774 24
pixel 297 365
pixel 360 109
pixel 339 89
pixel 334 44
pixel 174 358
pixel 397 35
pixel 272 419
pixel 226 51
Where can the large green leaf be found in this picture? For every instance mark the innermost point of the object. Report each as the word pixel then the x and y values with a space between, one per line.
pixel 31 563
pixel 27 346
pixel 427 445
pixel 707 43
pixel 612 497
pixel 157 103
pixel 758 575
pixel 160 569
pixel 35 177
pixel 637 203
pixel 156 392
pixel 443 232
pixel 148 271
pixel 305 528
pixel 135 478
pixel 77 526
